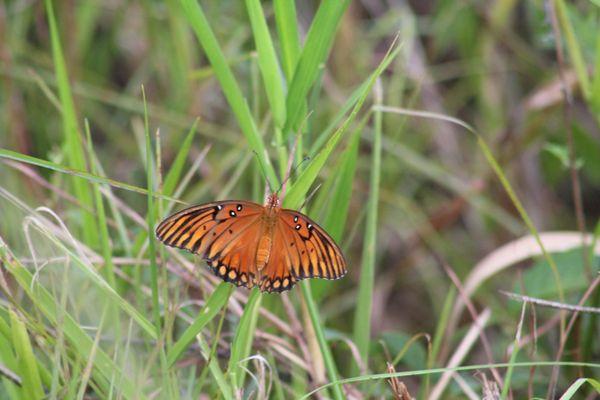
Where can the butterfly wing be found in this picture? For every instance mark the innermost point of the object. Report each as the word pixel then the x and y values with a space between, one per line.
pixel 301 249
pixel 224 233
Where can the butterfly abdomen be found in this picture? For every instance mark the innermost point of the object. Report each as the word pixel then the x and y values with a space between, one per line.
pixel 265 243
pixel 263 251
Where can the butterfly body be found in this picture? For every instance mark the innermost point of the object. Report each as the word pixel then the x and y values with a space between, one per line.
pixel 252 245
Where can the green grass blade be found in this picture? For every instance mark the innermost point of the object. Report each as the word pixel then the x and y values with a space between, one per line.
pixel 215 370
pixel 110 293
pixel 104 367
pixel 316 48
pixel 217 300
pixel 13 155
pixel 362 317
pixel 294 197
pixel 103 227
pixel 577 384
pixel 513 357
pixel 465 368
pixel 172 177
pixel 244 336
pixel 151 217
pixel 230 87
pixel 73 144
pixel 267 61
pixel 32 382
pixel 289 40
pixel 595 95
pixel 335 220
pixel 574 49
pixel 325 350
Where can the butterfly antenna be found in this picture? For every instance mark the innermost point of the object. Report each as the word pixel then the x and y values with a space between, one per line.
pixel 290 174
pixel 310 196
pixel 262 170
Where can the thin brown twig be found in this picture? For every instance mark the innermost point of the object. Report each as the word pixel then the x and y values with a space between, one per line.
pixel 549 303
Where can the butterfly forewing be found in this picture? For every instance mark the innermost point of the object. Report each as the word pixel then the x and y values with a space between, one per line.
pixel 223 233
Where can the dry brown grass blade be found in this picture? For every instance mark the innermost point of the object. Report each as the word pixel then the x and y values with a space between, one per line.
pixel 399 390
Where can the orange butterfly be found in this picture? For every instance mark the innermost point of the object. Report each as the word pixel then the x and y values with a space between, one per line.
pixel 248 244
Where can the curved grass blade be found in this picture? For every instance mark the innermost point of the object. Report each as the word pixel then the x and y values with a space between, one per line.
pixel 13 155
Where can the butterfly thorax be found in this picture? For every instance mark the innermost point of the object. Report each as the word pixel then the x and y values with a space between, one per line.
pixel 273 201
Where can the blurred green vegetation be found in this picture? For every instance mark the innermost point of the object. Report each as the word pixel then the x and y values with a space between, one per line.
pixel 114 114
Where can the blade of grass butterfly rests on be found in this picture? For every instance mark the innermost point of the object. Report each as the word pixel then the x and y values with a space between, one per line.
pixel 28 365
pixel 229 85
pixel 73 144
pixel 299 190
pixel 316 48
pixel 217 300
pixel 335 219
pixel 362 316
pixel 267 61
pixel 338 198
pixel 352 99
pixel 13 155
pixel 242 342
pixel 104 367
pixel 309 174
pixel 289 41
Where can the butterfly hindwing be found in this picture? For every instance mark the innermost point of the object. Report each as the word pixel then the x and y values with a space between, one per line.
pixel 301 249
